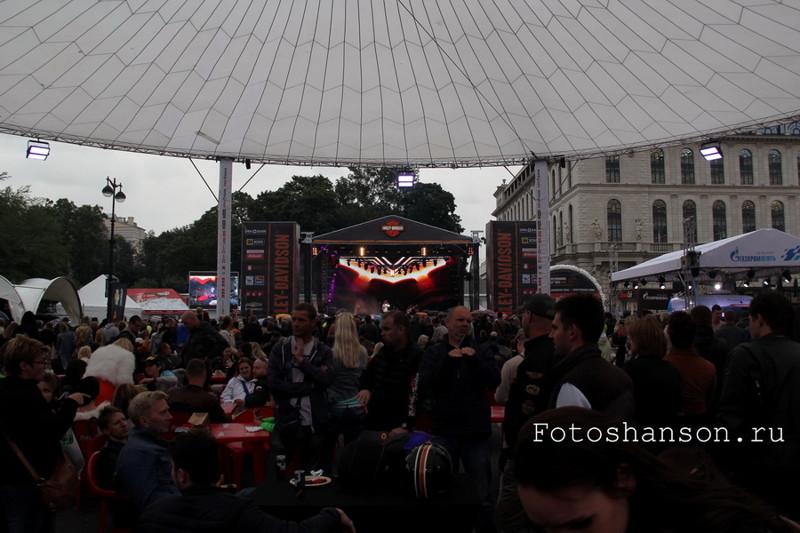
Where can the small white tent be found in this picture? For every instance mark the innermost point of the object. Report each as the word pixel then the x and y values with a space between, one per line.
pixel 766 252
pixel 33 291
pixel 95 303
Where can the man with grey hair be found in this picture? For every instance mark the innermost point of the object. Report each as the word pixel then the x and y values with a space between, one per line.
pixel 143 466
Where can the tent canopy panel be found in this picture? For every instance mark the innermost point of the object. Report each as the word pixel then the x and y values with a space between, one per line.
pixel 413 83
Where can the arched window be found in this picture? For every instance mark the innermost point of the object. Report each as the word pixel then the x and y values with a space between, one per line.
pixel 719 220
pixel 746 167
pixel 554 230
pixel 717 168
pixel 657 173
pixel 612 169
pixel 778 221
pixel 614 215
pixel 659 221
pixel 748 216
pixel 689 220
pixel 553 183
pixel 687 167
pixel 561 228
pixel 775 168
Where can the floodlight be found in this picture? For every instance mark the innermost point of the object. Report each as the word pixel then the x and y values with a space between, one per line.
pixel 787 276
pixel 711 151
pixel 37 150
pixel 406 179
pixel 662 282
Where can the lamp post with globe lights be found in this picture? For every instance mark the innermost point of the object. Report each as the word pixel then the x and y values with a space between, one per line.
pixel 110 191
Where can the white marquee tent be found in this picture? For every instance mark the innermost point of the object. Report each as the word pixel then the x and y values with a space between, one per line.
pixel 28 296
pixel 766 252
pixel 95 303
pixel 412 82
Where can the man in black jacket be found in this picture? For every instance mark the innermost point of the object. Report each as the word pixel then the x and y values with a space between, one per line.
pixel 202 506
pixel 457 374
pixel 582 377
pixel 760 392
pixel 205 342
pixel 300 369
pixel 388 384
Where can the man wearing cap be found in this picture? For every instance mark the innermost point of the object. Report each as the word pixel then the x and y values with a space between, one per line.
pixel 525 399
pixel 157 379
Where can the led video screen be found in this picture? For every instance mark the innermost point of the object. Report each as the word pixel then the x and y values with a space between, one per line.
pixel 203 289
pixel 362 286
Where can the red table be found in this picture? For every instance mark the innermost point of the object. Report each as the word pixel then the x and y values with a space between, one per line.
pixel 255 443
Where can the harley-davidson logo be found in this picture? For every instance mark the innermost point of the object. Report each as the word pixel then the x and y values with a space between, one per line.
pixel 392 228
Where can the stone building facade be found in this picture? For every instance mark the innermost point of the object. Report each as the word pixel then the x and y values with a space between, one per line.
pixel 622 210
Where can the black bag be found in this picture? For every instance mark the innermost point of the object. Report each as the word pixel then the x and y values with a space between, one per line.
pixel 289 421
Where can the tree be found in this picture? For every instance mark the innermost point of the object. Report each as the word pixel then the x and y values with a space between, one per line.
pixel 308 200
pixel 31 242
pixel 429 203
pixel 84 234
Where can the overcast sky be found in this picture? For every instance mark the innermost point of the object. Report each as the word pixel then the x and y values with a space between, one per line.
pixel 167 192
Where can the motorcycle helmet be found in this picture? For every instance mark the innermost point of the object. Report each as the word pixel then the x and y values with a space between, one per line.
pixel 429 470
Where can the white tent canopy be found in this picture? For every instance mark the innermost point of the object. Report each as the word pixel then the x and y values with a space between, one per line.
pixel 33 291
pixel 95 303
pixel 765 251
pixel 413 82
pixel 9 293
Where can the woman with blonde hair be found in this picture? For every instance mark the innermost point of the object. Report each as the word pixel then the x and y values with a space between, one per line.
pixel 657 383
pixel 349 361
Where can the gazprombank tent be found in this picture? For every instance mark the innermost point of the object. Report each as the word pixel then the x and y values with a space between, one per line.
pixel 764 252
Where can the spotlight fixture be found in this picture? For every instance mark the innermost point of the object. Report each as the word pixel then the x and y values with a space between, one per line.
pixel 787 276
pixel 406 179
pixel 717 286
pixel 695 271
pixel 751 274
pixel 746 283
pixel 642 282
pixel 38 150
pixel 712 274
pixel 662 282
pixel 635 284
pixel 247 164
pixel 711 151
pixel 627 285
pixel 766 282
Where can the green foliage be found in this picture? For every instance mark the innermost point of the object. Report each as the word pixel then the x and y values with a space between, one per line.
pixel 46 239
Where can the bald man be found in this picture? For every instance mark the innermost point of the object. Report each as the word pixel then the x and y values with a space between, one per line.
pixel 457 374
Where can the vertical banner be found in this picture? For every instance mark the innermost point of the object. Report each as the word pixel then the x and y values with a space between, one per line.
pixel 119 292
pixel 511 264
pixel 224 238
pixel 543 216
pixel 270 263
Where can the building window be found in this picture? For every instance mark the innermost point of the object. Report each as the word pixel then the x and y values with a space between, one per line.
pixel 719 220
pixel 614 212
pixel 778 221
pixel 571 225
pixel 657 173
pixel 687 167
pixel 717 168
pixel 612 169
pixel 775 168
pixel 689 221
pixel 746 167
pixel 659 221
pixel 748 216
pixel 561 228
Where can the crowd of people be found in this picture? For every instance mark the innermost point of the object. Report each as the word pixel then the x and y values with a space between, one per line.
pixel 559 367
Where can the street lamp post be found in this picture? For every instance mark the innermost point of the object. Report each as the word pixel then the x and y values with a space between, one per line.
pixel 110 191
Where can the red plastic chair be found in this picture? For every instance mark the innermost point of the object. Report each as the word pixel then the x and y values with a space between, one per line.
pixel 96 444
pixel 85 431
pixel 95 491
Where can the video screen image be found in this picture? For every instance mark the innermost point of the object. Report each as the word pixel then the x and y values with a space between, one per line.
pixel 366 285
pixel 203 289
